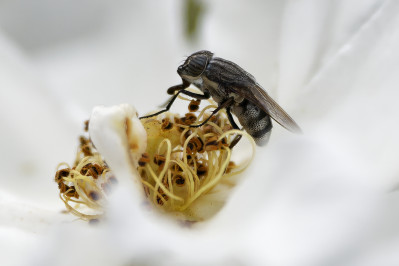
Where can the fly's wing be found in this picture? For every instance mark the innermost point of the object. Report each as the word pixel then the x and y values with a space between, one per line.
pixel 258 96
pixel 239 81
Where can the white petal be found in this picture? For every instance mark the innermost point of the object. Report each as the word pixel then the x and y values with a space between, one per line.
pixel 120 138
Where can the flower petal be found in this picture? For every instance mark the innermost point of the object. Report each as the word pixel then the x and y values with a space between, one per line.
pixel 120 138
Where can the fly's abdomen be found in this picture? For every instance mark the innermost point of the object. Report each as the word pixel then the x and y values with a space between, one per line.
pixel 254 120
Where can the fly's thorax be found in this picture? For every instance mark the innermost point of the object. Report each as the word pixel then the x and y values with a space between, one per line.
pixel 254 120
pixel 218 92
pixel 210 85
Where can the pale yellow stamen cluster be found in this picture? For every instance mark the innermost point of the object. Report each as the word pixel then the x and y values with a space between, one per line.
pixel 181 165
pixel 84 186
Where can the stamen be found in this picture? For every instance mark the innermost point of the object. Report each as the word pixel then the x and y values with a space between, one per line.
pixel 194 105
pixel 144 159
pixel 166 124
pixel 191 167
pixel 86 126
pixel 189 118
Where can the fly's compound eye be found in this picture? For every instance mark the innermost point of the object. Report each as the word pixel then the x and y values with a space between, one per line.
pixel 194 66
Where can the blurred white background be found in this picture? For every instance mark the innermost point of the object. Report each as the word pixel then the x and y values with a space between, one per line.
pixel 324 198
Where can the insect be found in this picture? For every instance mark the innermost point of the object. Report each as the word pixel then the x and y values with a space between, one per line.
pixel 233 89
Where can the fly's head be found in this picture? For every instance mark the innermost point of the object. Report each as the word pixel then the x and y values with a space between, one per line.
pixel 194 65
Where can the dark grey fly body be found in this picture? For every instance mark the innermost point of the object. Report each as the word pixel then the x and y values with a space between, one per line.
pixel 233 89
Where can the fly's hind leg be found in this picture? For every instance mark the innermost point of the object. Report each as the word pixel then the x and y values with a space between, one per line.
pixel 233 123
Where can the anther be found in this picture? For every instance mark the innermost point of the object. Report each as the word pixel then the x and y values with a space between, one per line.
pixel 194 105
pixel 179 180
pixel 201 170
pixel 86 126
pixel 85 146
pixel 194 145
pixel 166 124
pixel 159 159
pixel 145 158
pixel 189 118
pixel 211 144
pixel 60 174
pixel 178 122
pixel 71 192
pixel 93 170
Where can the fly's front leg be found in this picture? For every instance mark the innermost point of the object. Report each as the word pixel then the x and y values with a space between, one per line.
pixel 181 89
pixel 164 110
pixel 197 96
pixel 171 90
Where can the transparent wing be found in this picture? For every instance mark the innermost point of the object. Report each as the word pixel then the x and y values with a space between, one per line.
pixel 257 95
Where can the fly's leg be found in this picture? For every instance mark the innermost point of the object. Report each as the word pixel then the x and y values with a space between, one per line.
pixel 166 108
pixel 231 119
pixel 225 104
pixel 233 123
pixel 197 96
pixel 182 86
pixel 181 89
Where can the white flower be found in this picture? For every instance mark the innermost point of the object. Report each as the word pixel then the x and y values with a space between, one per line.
pixel 321 198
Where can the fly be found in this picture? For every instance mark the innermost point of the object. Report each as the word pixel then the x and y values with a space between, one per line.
pixel 233 89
